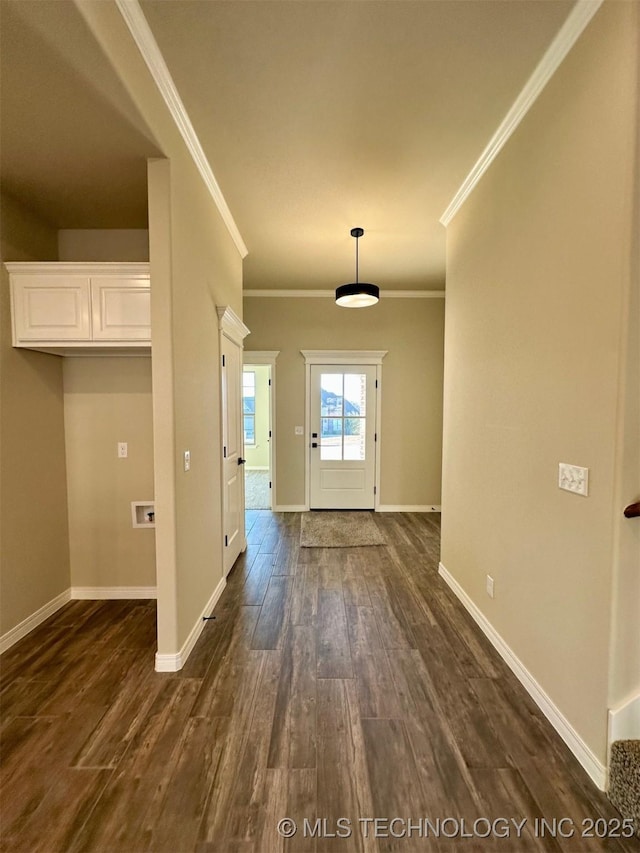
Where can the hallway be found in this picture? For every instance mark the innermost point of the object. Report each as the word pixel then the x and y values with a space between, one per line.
pixel 333 683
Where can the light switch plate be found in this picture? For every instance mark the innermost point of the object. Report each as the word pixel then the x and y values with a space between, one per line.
pixel 187 460
pixel 573 478
pixel 299 430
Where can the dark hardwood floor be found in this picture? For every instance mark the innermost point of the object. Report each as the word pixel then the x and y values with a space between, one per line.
pixel 334 684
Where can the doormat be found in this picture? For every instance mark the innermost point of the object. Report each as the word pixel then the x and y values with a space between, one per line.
pixel 339 530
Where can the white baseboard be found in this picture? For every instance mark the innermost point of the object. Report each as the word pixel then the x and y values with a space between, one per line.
pixel 624 720
pixel 381 508
pixel 587 758
pixel 23 628
pixel 107 592
pixel 173 663
pixel 408 508
pixel 291 508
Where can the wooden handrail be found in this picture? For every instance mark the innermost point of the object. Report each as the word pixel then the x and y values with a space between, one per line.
pixel 633 510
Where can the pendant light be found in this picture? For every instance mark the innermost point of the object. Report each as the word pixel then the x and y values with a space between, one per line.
pixel 358 294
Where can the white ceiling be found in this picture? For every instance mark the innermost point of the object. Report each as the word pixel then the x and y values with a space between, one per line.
pixel 315 115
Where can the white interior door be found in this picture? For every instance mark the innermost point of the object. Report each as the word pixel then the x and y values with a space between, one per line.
pixel 232 452
pixel 342 468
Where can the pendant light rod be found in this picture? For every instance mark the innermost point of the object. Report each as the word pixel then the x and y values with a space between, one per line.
pixel 357 233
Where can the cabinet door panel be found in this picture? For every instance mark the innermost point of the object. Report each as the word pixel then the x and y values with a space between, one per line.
pixel 51 308
pixel 121 309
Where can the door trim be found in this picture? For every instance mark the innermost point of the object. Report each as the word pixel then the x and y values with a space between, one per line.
pixel 231 327
pixel 346 357
pixel 267 357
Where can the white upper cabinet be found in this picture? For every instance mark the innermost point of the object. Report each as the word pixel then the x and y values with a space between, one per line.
pixel 120 309
pixel 51 308
pixel 70 308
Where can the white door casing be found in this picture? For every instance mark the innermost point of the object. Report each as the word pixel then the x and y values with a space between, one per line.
pixel 343 470
pixel 232 333
pixel 268 357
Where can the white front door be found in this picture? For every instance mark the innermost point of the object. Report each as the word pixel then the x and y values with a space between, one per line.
pixel 342 431
pixel 232 461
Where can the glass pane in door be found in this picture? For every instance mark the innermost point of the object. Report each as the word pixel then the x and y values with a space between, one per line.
pixel 331 438
pixel 355 394
pixel 331 393
pixel 343 406
pixel 354 439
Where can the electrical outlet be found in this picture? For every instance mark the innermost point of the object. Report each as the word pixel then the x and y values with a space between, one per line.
pixel 489 586
pixel 123 450
pixel 187 460
pixel 574 479
pixel 299 430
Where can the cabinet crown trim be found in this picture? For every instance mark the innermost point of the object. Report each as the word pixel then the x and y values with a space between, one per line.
pixel 88 268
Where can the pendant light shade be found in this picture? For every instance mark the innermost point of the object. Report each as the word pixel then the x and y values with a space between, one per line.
pixel 358 294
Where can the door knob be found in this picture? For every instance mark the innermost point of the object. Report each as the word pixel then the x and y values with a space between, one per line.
pixel 241 461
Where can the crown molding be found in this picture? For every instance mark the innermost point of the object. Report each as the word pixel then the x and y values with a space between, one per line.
pixel 87 268
pixel 331 294
pixel 140 30
pixel 566 37
pixel 231 325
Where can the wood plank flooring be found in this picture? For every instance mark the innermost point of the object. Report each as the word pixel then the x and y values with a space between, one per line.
pixel 335 685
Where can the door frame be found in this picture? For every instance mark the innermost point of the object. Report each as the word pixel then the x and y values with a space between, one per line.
pixel 230 326
pixel 267 357
pixel 347 358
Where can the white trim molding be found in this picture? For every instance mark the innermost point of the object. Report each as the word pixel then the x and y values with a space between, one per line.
pixel 331 294
pixel 587 758
pixel 346 356
pixel 132 269
pixel 268 359
pixel 582 12
pixel 113 592
pixel 27 625
pixel 231 325
pixel 624 720
pixel 409 508
pixel 140 30
pixel 173 663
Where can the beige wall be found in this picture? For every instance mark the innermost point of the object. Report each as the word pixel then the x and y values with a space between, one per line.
pixel 257 455
pixel 34 545
pixel 194 267
pixel 411 434
pixel 538 274
pixel 206 270
pixel 103 244
pixel 107 400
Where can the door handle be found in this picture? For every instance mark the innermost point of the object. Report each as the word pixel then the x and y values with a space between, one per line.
pixel 314 444
pixel 241 461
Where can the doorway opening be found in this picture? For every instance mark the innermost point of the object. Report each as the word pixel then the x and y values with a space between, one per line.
pixel 258 385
